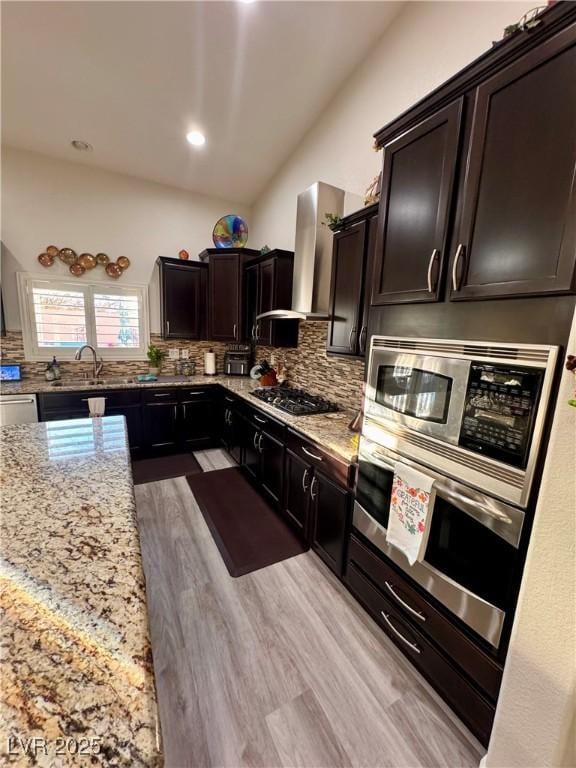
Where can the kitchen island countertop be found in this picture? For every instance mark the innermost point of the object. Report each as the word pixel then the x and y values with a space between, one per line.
pixel 76 665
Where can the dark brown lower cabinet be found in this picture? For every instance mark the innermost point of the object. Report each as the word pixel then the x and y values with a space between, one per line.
pixel 329 520
pixel 249 446
pixel 231 428
pixel 297 479
pixel 271 466
pixel 133 424
pixel 197 418
pixel 160 421
pixel 464 674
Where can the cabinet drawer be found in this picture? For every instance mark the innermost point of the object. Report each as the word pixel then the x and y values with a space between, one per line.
pixel 193 394
pixel 336 469
pixel 160 395
pixel 467 702
pixel 265 422
pixel 61 401
pixel 412 605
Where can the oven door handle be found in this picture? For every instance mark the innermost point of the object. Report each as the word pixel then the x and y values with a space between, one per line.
pixel 445 492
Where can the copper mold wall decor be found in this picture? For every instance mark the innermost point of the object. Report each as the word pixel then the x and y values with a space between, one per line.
pixel 79 265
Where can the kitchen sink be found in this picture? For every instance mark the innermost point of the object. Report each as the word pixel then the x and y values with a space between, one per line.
pixel 93 382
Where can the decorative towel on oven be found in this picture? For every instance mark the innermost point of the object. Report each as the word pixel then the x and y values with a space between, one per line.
pixel 96 406
pixel 411 507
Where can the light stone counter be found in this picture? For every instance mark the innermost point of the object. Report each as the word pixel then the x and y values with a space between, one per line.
pixel 330 430
pixel 76 659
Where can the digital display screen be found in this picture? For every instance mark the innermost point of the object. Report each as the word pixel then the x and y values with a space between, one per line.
pixel 10 373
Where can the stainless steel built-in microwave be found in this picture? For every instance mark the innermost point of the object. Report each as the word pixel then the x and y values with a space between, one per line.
pixel 472 410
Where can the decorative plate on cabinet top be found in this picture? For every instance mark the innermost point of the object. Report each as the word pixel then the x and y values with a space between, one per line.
pixel 230 231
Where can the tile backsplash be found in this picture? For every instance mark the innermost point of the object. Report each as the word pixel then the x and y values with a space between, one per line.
pixel 309 367
pixel 337 378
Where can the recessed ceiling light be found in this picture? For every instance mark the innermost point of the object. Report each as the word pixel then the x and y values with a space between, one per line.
pixel 246 2
pixel 81 146
pixel 196 138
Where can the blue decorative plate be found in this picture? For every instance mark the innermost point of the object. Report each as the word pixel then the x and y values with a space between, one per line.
pixel 230 231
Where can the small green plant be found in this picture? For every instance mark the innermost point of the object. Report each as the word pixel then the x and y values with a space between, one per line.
pixel 333 221
pixel 155 355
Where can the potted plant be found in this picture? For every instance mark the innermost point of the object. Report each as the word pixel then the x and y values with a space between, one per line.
pixel 333 221
pixel 155 355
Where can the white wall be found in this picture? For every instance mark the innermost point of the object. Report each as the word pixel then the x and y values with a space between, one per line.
pixel 426 44
pixel 534 724
pixel 47 201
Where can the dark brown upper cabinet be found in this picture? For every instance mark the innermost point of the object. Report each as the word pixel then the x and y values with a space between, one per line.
pixel 183 287
pixel 268 286
pixel 225 291
pixel 417 185
pixel 352 256
pixel 516 235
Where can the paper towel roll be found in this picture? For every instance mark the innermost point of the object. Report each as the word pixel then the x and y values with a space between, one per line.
pixel 210 363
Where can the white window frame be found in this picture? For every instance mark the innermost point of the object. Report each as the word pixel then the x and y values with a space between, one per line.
pixel 32 352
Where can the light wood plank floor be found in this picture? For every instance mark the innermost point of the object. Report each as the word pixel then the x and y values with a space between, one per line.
pixel 279 668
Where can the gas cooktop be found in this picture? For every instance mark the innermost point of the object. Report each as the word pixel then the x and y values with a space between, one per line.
pixel 295 401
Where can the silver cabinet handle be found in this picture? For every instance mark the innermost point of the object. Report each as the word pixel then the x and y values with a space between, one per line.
pixel 260 443
pixel 255 440
pixel 352 333
pixel 363 334
pixel 229 399
pixel 167 327
pixel 162 394
pixel 393 628
pixel 253 334
pixel 313 485
pixel 433 257
pixel 257 333
pixel 226 416
pixel 82 400
pixel 393 592
pixel 312 455
pixel 175 412
pixel 304 478
pixel 234 332
pixel 183 410
pixel 459 252
pixel 262 421
pixel 19 402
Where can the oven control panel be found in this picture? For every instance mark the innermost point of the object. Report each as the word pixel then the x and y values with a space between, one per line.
pixel 499 411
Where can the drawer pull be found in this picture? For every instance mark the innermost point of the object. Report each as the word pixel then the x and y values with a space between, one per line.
pixel 398 634
pixel 304 478
pixel 162 394
pixel 313 485
pixel 85 399
pixel 260 449
pixel 413 611
pixel 196 392
pixel 262 421
pixel 255 440
pixel 312 455
pixel 229 399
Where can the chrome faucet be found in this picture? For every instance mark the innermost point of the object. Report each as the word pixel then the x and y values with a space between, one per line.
pixel 97 365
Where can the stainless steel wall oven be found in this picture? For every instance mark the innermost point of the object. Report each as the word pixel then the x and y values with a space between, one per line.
pixel 471 416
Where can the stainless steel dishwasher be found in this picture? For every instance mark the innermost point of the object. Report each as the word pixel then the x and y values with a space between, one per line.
pixel 18 409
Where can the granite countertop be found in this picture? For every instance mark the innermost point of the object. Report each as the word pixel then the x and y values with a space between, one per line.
pixel 329 430
pixel 76 661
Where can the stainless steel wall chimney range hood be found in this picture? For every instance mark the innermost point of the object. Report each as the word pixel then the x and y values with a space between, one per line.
pixel 312 255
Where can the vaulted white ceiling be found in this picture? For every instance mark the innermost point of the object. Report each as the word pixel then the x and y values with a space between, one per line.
pixel 132 78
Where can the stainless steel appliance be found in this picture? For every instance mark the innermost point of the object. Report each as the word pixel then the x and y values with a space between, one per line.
pixel 18 409
pixel 472 551
pixel 472 410
pixel 298 402
pixel 470 415
pixel 237 360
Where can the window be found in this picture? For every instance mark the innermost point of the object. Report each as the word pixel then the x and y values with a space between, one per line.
pixel 58 317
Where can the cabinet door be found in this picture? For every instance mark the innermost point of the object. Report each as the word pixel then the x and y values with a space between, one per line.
pixel 197 419
pixel 266 300
pixel 517 229
pixel 224 290
pixel 271 466
pixel 329 520
pixel 183 301
pixel 297 479
pixel 347 278
pixel 251 282
pixel 371 238
pixel 417 185
pixel 249 436
pixel 133 416
pixel 160 421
